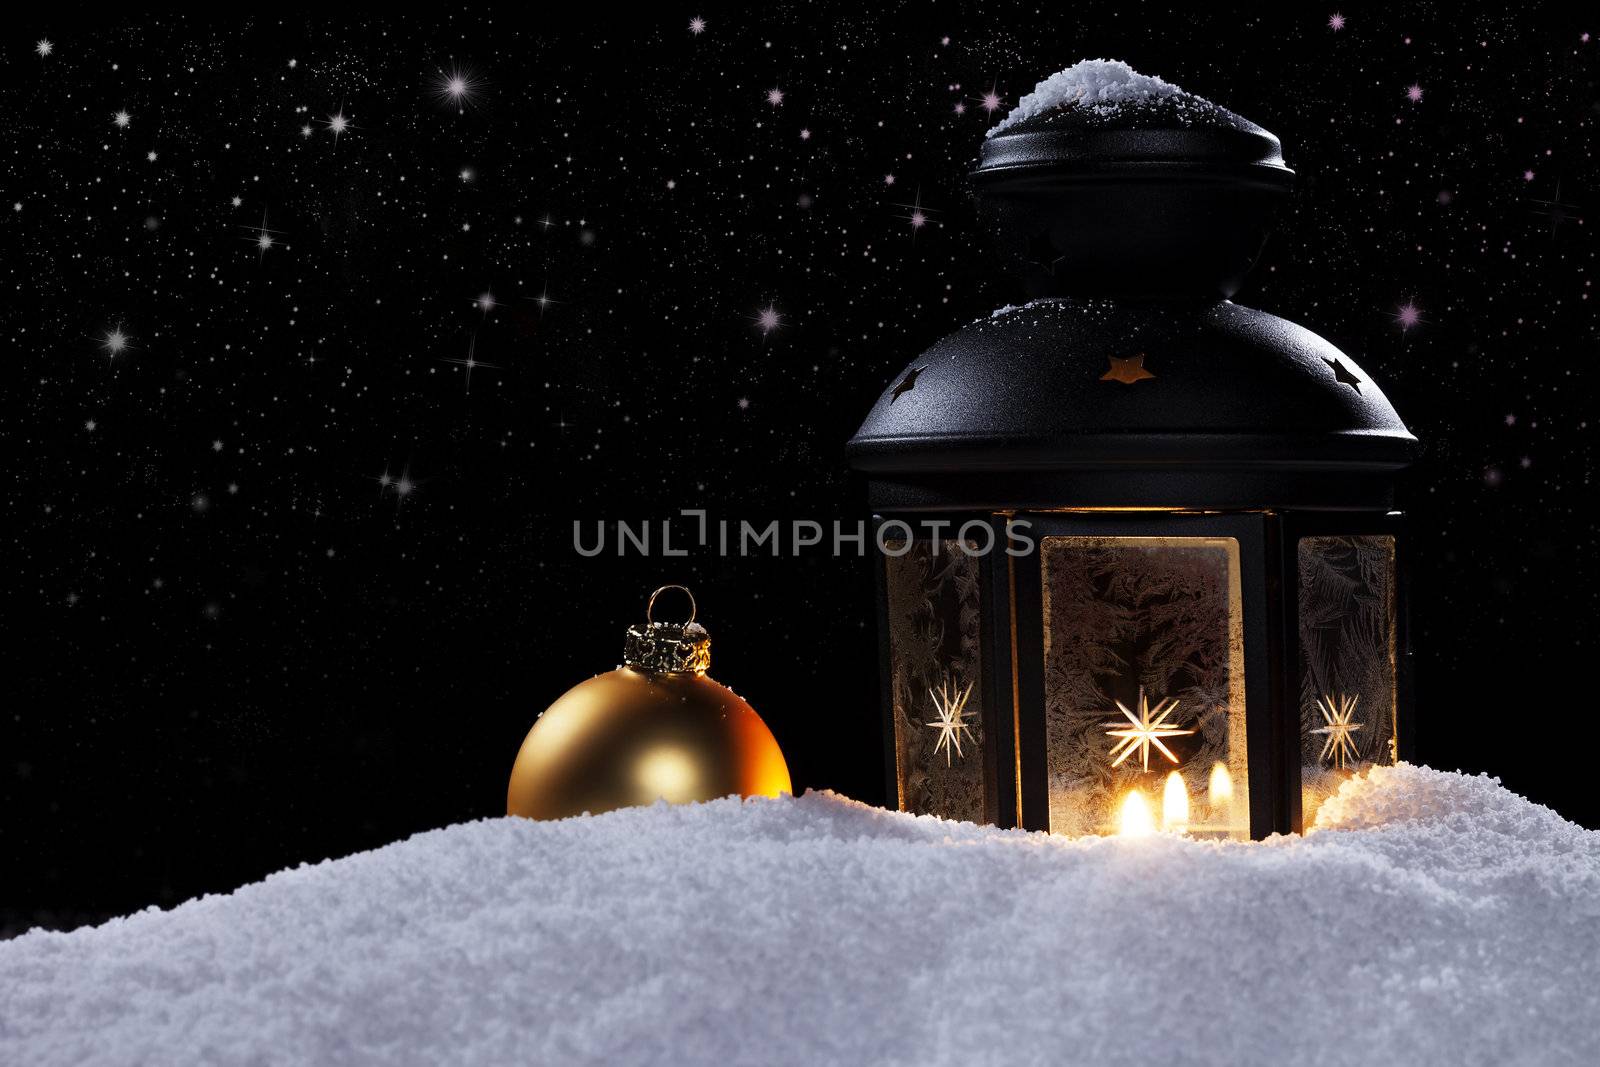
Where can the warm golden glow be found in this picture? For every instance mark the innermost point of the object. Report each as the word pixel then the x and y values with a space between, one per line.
pixel 1175 805
pixel 669 773
pixel 1219 791
pixel 1137 820
pixel 1148 728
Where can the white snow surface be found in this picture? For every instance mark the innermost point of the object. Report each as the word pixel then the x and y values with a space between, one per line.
pixel 1101 85
pixel 1432 918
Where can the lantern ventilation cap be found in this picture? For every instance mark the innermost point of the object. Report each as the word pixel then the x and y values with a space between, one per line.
pixel 667 647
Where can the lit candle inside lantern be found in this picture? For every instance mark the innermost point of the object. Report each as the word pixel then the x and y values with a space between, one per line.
pixel 1219 792
pixel 1175 805
pixel 1137 819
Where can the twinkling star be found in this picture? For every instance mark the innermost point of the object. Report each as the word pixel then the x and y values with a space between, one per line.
pixel 337 124
pixel 774 97
pixel 1414 93
pixel 544 299
pixel 1127 370
pixel 1337 712
pixel 697 25
pixel 1556 211
pixel 121 120
pixel 1336 22
pixel 43 47
pixel 455 87
pixel 1146 729
pixel 990 101
pixel 917 215
pixel 305 131
pixel 114 342
pixel 485 302
pixel 1408 315
pixel 150 156
pixel 951 708
pixel 768 319
pixel 472 362
pixel 263 238
pixel 401 486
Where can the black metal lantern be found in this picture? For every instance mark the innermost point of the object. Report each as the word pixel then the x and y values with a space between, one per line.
pixel 1139 564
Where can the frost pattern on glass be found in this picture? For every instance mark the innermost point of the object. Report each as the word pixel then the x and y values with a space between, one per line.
pixel 1347 653
pixel 934 649
pixel 1160 614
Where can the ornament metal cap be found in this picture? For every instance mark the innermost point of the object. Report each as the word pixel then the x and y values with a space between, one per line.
pixel 667 647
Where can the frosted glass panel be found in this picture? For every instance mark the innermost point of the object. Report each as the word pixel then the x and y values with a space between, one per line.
pixel 1144 677
pixel 1347 662
pixel 935 663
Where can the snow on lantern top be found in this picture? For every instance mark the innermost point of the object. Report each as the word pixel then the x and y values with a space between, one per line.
pixel 1101 89
pixel 1107 182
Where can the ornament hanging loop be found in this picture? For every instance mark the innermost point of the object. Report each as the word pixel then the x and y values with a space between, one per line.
pixel 649 607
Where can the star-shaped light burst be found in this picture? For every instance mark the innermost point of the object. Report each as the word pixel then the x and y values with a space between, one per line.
pixel 454 88
pixel 337 124
pixel 1143 730
pixel 1414 93
pixel 43 47
pixel 263 238
pixel 916 214
pixel 697 25
pixel 401 486
pixel 775 97
pixel 114 342
pixel 1336 22
pixel 768 319
pixel 121 119
pixel 1408 315
pixel 990 101
pixel 951 708
pixel 472 362
pixel 1337 712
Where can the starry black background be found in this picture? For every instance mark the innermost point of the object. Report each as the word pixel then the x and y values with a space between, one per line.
pixel 286 582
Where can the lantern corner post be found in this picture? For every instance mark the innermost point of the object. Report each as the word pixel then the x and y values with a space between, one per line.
pixel 891 750
pixel 998 635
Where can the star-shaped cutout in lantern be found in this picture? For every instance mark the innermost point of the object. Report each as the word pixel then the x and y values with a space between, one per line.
pixel 1127 370
pixel 1143 730
pixel 908 383
pixel 951 723
pixel 1343 374
pixel 1337 712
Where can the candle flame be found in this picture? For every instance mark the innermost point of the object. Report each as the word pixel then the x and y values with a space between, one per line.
pixel 1219 793
pixel 1175 804
pixel 1137 819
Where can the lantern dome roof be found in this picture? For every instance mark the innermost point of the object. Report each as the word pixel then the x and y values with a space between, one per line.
pixel 1090 402
pixel 1130 210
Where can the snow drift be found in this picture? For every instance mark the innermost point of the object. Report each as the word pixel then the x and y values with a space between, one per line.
pixel 1432 918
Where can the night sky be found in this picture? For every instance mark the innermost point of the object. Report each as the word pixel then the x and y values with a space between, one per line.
pixel 321 332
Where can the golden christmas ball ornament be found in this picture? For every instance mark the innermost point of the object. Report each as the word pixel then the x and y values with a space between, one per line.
pixel 656 728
